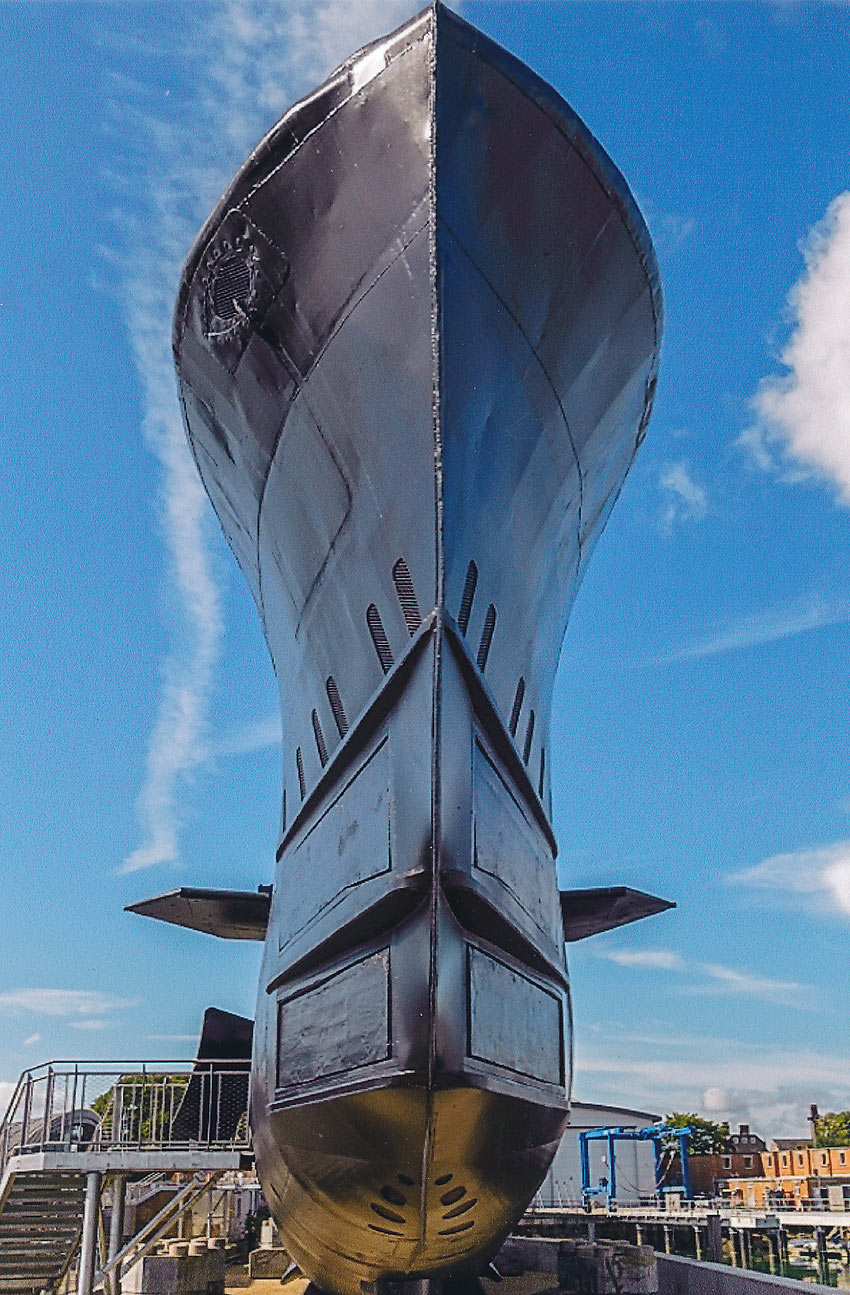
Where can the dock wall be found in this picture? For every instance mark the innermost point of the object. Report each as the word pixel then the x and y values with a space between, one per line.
pixel 679 1276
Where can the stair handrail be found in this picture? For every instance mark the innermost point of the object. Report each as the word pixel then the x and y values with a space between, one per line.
pixel 6 1126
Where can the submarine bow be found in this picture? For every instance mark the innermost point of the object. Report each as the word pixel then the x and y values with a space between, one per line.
pixel 417 346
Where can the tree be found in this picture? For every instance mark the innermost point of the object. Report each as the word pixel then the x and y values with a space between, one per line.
pixel 147 1104
pixel 706 1139
pixel 833 1129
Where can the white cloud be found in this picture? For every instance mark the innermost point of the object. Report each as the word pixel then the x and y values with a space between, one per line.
pixel 712 977
pixel 256 736
pixel 770 625
pixel 803 415
pixel 670 229
pixel 790 993
pixel 686 499
pixel 660 959
pixel 68 1003
pixel 820 874
pixel 251 59
pixel 31 1040
pixel 768 1086
pixel 6 1090
pixel 172 1038
pixel 757 445
pixel 774 1113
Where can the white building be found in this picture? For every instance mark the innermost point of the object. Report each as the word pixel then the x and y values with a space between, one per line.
pixel 634 1161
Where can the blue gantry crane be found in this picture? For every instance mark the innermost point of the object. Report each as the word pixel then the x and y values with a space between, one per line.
pixel 654 1133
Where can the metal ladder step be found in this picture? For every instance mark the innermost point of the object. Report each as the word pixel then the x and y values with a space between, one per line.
pixel 40 1219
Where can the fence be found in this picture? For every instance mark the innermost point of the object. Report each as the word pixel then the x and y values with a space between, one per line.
pixel 146 1105
pixel 682 1207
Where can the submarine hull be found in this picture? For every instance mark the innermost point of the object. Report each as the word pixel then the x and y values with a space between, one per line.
pixel 411 1061
pixel 416 345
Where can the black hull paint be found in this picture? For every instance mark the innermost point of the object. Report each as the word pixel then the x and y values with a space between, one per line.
pixel 417 346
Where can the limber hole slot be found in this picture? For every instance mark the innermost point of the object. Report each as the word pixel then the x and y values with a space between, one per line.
pixel 384 1213
pixel 486 637
pixel 516 709
pixel 463 1208
pixel 340 717
pixel 529 737
pixel 467 597
pixel 406 596
pixel 320 739
pixel 379 637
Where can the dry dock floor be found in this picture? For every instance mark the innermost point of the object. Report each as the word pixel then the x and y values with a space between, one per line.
pixel 270 1286
pixel 530 1283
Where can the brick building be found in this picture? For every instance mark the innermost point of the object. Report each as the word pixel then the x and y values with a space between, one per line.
pixel 790 1171
pixel 741 1158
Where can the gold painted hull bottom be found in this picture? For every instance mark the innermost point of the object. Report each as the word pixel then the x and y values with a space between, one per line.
pixel 393 1183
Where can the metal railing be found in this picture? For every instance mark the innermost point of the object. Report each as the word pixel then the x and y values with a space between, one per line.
pixel 143 1105
pixel 685 1206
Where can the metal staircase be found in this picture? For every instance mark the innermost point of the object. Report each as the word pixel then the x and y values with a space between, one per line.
pixel 40 1224
pixel 73 1128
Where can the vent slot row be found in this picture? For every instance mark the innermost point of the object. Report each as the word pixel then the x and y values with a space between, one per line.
pixel 529 737
pixel 517 706
pixel 486 637
pixel 379 637
pixel 406 596
pixel 340 718
pixel 467 597
pixel 320 740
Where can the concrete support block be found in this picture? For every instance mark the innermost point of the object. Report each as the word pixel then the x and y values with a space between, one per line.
pixel 265 1264
pixel 583 1268
pixel 627 1270
pixel 184 1274
pixel 529 1266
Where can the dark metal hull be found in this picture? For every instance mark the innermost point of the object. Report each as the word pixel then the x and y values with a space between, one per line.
pixel 417 346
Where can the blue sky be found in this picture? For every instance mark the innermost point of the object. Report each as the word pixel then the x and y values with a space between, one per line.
pixel 701 713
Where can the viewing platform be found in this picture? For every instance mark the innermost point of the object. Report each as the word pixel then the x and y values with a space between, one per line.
pixel 77 1131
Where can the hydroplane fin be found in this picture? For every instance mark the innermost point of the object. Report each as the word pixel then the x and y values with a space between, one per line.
pixel 229 914
pixel 587 912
